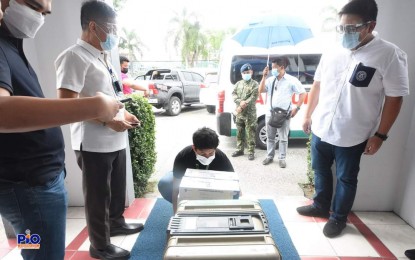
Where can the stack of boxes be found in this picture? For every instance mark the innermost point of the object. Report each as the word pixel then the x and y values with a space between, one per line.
pixel 211 223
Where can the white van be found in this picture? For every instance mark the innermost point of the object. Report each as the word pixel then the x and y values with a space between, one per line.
pixel 303 60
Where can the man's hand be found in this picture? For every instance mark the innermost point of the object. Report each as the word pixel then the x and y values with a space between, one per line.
pixel 373 145
pixel 265 72
pixel 132 119
pixel 119 125
pixel 294 112
pixel 108 107
pixel 307 125
pixel 243 104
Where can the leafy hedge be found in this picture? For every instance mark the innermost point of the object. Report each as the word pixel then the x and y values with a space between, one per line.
pixel 142 143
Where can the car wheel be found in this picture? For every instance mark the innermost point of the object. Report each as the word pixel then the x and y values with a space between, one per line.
pixel 174 106
pixel 261 135
pixel 211 109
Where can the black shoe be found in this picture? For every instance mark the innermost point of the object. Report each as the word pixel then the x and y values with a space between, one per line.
pixel 251 156
pixel 267 161
pixel 237 153
pixel 312 211
pixel 410 253
pixel 333 228
pixel 112 252
pixel 126 229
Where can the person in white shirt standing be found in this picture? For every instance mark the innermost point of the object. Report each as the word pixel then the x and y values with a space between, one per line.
pixel 280 88
pixel 100 147
pixel 355 99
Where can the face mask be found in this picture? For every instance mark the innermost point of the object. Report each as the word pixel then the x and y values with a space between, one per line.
pixel 110 42
pixel 203 160
pixel 246 77
pixel 275 72
pixel 124 70
pixel 350 40
pixel 22 21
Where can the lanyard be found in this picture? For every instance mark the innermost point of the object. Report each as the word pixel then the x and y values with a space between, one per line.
pixel 115 83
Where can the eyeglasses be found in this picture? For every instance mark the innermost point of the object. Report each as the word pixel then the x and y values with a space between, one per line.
pixel 110 27
pixel 349 28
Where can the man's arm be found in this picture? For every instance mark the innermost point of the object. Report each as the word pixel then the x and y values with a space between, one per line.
pixel 301 98
pixel 236 98
pixel 313 97
pixel 261 87
pixel 133 84
pixel 391 108
pixel 24 114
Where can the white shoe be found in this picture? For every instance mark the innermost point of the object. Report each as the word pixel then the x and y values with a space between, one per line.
pixel 282 163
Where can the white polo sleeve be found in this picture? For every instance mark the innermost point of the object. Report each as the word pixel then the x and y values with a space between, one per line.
pixel 71 71
pixel 395 79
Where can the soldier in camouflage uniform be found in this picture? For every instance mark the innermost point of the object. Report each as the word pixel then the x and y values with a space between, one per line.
pixel 245 95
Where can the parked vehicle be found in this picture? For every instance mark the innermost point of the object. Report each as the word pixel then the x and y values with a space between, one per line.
pixel 172 88
pixel 209 91
pixel 303 63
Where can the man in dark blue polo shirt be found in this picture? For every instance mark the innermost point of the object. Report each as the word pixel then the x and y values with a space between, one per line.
pixel 33 197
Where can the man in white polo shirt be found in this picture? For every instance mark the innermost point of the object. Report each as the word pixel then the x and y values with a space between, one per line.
pixel 100 147
pixel 355 99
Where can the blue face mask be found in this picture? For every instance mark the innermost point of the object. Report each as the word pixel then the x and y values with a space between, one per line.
pixel 350 40
pixel 110 42
pixel 275 72
pixel 246 77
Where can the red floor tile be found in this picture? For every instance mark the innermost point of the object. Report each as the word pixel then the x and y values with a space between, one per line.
pixel 78 241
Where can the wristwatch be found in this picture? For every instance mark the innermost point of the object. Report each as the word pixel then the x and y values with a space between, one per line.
pixel 381 136
pixel 298 108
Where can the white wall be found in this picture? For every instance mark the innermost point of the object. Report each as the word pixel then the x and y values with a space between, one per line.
pixel 61 29
pixel 386 179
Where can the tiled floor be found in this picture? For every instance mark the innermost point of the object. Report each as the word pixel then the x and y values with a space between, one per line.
pixel 368 235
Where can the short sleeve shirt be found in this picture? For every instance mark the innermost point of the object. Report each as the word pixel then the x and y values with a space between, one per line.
pixel 347 115
pixel 125 89
pixel 186 158
pixel 283 91
pixel 33 157
pixel 84 69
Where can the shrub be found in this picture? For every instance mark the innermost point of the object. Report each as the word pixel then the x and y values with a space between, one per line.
pixel 142 143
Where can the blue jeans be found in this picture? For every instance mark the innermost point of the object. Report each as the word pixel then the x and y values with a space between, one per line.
pixel 42 210
pixel 347 159
pixel 165 186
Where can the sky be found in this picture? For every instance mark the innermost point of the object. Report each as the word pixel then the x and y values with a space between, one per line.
pixel 150 19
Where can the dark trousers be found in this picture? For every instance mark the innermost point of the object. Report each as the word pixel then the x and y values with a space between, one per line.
pixel 104 184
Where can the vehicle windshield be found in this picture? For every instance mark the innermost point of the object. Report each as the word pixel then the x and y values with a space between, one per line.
pixel 302 66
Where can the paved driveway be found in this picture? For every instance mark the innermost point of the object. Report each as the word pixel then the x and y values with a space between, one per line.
pixel 256 180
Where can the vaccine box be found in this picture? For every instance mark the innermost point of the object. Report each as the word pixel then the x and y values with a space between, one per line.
pixel 210 174
pixel 193 188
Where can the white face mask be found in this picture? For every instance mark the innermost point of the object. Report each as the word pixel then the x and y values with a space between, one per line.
pixel 22 21
pixel 205 161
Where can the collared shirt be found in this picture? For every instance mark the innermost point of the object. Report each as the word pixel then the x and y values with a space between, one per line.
pixel 84 69
pixel 347 115
pixel 33 157
pixel 283 91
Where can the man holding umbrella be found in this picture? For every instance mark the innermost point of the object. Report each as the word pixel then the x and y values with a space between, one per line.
pixel 280 88
pixel 245 95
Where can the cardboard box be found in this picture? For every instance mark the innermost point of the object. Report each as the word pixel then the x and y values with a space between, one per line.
pixel 193 188
pixel 210 174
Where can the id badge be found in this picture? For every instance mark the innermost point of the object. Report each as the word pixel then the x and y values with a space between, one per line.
pixel 362 75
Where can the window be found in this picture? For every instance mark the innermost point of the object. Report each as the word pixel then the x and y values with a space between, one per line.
pixel 197 77
pixel 302 66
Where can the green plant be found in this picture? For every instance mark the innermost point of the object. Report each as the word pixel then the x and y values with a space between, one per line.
pixel 310 172
pixel 142 143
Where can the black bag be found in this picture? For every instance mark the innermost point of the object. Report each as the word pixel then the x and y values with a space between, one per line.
pixel 278 115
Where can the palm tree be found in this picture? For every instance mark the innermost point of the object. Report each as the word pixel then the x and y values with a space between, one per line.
pixel 187 36
pixel 131 43
pixel 118 4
